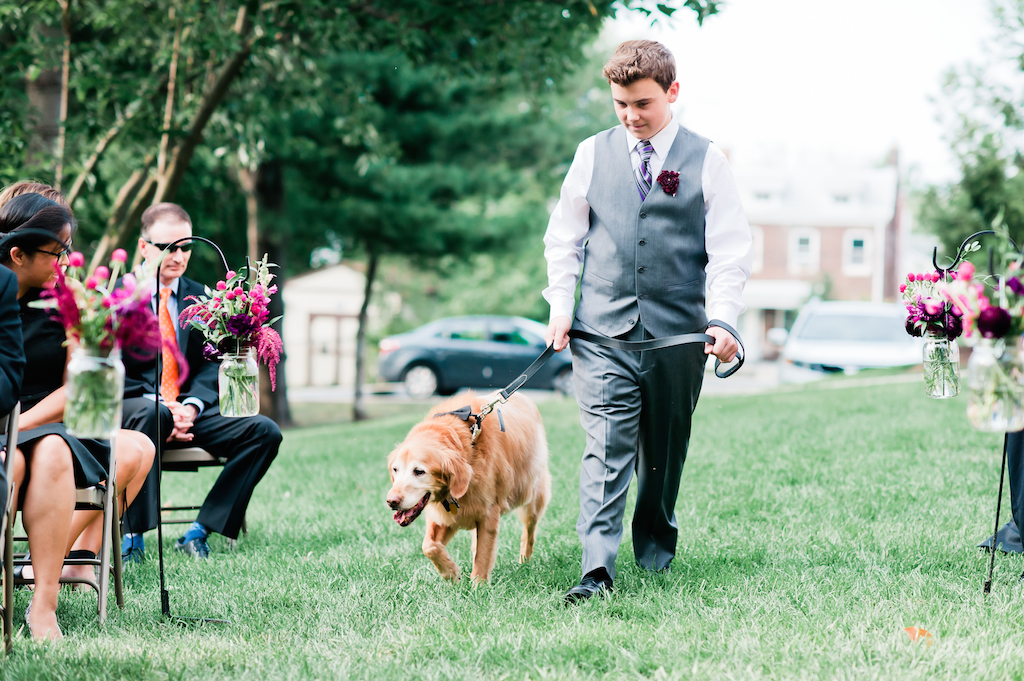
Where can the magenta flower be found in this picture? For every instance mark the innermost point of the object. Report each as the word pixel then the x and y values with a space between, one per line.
pixel 76 259
pixel 221 285
pixel 119 255
pixel 229 274
pixel 268 348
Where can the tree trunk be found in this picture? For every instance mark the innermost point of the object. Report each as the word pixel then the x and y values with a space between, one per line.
pixel 358 412
pixel 269 191
pixel 65 72
pixel 163 187
pixel 247 181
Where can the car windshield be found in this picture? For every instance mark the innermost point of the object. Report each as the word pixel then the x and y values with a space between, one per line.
pixel 852 327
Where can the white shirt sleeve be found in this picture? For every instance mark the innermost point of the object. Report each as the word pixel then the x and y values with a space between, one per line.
pixel 567 231
pixel 727 240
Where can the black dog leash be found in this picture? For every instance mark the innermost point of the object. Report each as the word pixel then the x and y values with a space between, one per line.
pixel 667 342
pixel 466 413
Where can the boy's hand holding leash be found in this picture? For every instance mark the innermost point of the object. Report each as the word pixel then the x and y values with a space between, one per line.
pixel 558 333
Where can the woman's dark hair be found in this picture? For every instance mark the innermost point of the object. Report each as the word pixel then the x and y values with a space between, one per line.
pixel 35 212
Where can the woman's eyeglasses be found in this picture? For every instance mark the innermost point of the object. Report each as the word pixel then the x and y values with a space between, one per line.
pixel 183 247
pixel 63 253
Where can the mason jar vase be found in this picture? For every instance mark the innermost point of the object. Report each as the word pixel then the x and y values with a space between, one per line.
pixel 941 366
pixel 239 382
pixel 995 385
pixel 94 391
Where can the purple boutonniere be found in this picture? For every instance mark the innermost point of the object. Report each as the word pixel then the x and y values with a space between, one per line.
pixel 669 181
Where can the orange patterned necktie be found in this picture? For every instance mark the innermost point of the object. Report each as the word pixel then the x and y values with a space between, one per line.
pixel 169 376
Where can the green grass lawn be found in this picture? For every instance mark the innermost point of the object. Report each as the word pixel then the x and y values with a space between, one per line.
pixel 814 526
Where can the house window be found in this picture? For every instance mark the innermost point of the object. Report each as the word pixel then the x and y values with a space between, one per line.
pixel 804 251
pixel 757 235
pixel 857 253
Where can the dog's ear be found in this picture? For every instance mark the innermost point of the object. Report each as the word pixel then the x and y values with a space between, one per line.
pixel 459 475
pixel 391 463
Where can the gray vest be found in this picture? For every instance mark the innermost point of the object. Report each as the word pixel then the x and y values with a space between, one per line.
pixel 644 262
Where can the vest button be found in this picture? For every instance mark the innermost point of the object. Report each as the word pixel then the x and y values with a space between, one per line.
pixel 631 322
pixel 643 215
pixel 640 270
pixel 642 242
pixel 642 296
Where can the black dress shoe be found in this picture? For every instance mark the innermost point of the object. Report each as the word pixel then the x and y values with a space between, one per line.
pixel 594 582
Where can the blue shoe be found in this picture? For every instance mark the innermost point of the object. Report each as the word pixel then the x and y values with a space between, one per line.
pixel 195 548
pixel 133 555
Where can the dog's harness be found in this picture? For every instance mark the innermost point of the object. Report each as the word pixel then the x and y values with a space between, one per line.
pixel 466 413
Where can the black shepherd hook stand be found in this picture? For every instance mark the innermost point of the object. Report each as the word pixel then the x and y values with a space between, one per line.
pixel 165 597
pixel 960 253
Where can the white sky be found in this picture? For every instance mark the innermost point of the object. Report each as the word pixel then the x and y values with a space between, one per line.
pixel 848 78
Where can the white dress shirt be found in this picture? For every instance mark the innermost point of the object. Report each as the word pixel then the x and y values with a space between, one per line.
pixel 727 237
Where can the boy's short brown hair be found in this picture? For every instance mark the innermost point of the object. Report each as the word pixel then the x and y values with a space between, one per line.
pixel 161 210
pixel 638 59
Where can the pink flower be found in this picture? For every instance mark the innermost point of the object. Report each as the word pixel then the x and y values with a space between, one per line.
pixel 221 285
pixel 119 255
pixel 101 273
pixel 966 271
pixel 239 291
pixel 91 283
pixel 903 287
pixel 268 347
pixel 230 295
pixel 229 274
pixel 911 277
pixel 76 259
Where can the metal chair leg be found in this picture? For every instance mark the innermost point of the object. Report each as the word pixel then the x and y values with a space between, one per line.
pixel 109 505
pixel 9 583
pixel 115 532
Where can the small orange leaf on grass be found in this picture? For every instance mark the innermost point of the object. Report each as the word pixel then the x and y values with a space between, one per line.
pixel 919 634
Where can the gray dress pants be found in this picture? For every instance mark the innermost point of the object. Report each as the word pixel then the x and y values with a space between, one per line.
pixel 635 408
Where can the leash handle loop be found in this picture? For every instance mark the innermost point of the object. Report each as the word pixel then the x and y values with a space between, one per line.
pixel 740 356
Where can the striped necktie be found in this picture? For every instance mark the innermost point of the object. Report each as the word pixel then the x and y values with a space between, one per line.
pixel 642 174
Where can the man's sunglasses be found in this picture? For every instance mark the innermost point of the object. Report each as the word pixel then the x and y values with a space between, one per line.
pixel 66 251
pixel 184 247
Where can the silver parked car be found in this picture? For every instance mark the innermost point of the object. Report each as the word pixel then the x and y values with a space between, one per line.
pixel 845 336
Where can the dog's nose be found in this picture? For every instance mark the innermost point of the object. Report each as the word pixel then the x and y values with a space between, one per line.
pixel 394 500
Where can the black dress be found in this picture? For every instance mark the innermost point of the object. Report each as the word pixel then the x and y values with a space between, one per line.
pixel 45 356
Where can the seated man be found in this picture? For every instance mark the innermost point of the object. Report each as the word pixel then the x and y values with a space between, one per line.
pixel 12 360
pixel 189 415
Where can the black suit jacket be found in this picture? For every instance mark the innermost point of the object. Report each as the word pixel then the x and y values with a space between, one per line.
pixel 140 375
pixel 12 350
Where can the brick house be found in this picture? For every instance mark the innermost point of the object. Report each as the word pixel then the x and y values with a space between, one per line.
pixel 823 229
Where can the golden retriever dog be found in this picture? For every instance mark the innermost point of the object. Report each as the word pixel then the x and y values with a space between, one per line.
pixel 438 471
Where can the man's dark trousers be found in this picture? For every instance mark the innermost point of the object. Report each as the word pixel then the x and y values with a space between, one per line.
pixel 249 444
pixel 636 410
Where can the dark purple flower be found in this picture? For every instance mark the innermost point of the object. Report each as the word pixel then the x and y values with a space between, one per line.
pixel 241 326
pixel 994 322
pixel 912 327
pixel 669 181
pixel 1015 285
pixel 210 352
pixel 954 326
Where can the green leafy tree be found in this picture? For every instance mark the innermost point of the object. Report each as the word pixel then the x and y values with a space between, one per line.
pixel 983 108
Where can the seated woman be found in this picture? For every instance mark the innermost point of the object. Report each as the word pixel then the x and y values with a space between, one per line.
pixel 49 463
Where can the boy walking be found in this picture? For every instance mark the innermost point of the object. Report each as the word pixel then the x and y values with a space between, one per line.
pixel 651 212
